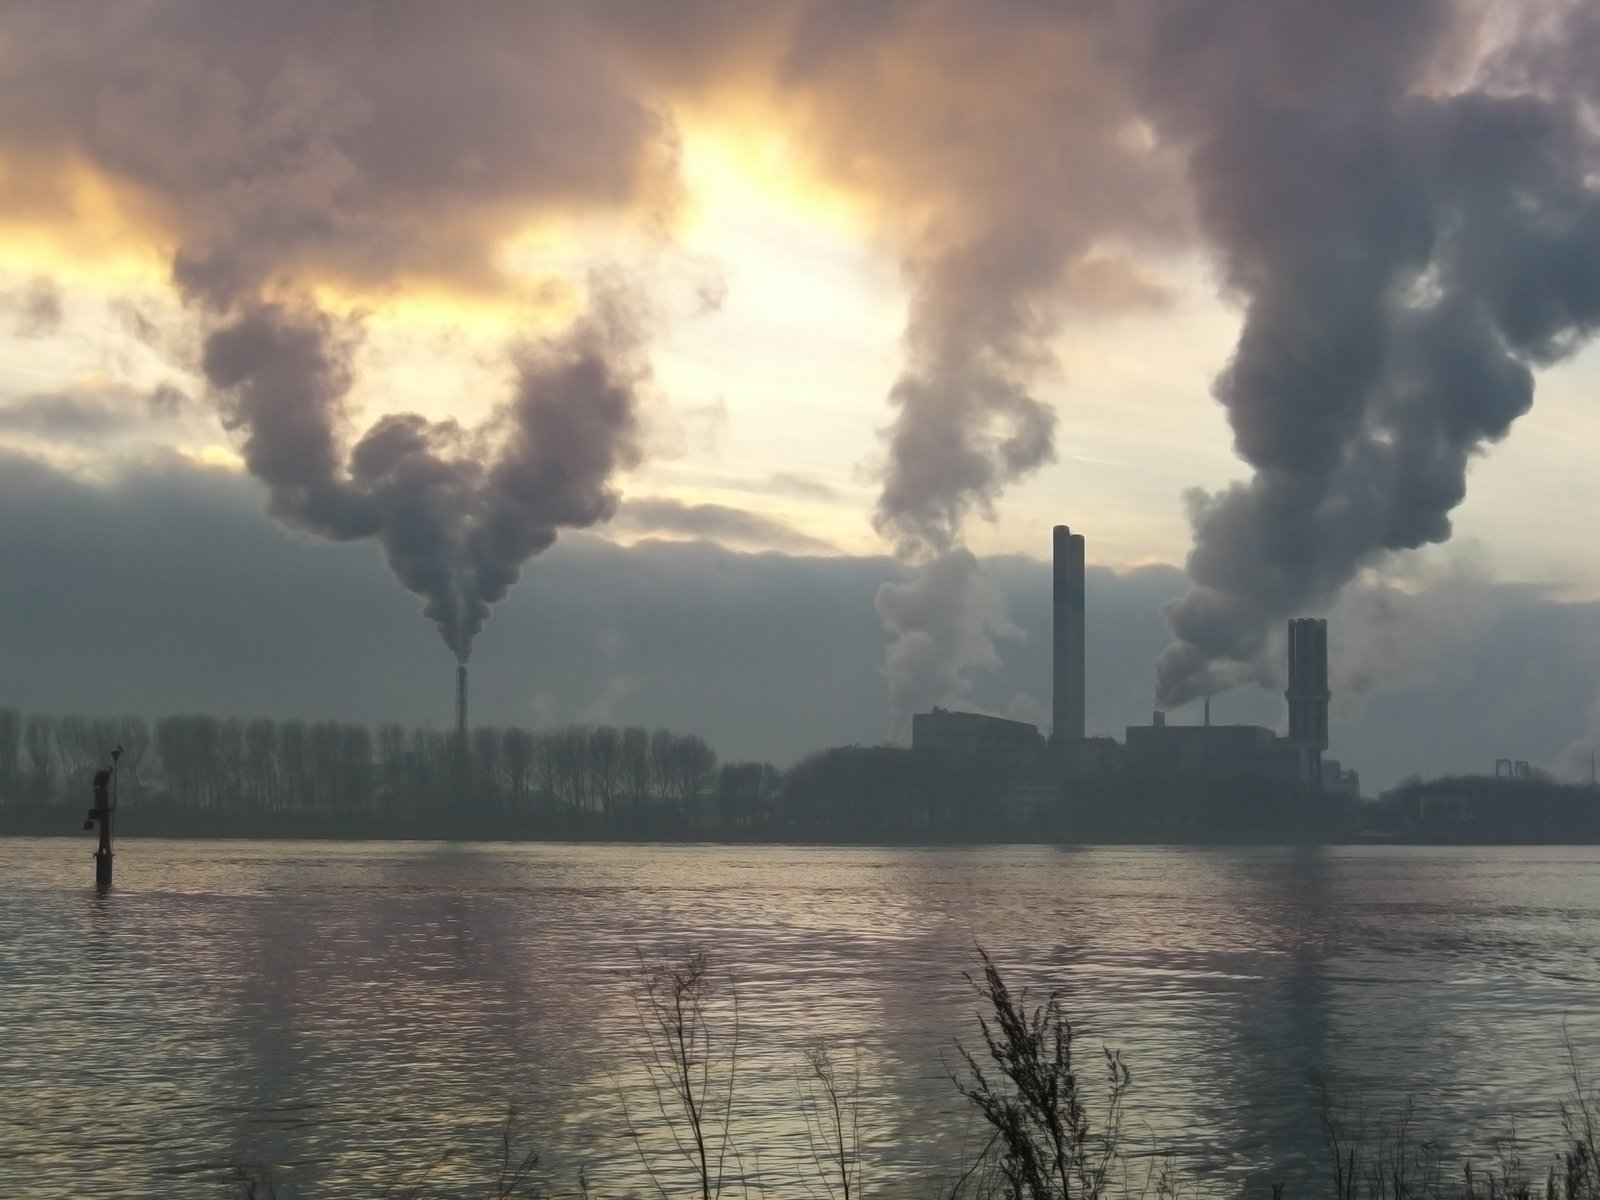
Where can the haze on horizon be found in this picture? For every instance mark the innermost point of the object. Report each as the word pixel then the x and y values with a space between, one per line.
pixel 544 298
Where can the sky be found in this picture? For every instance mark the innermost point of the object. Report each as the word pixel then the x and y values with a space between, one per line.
pixel 724 367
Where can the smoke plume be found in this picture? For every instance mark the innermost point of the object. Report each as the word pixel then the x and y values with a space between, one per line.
pixel 998 143
pixel 1406 256
pixel 288 151
pixel 947 614
pixel 457 511
pixel 1410 234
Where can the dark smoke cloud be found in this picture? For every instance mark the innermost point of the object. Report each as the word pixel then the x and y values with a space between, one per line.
pixel 369 143
pixel 1406 258
pixel 457 511
pixel 373 146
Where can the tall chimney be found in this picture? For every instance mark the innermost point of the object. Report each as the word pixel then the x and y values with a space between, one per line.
pixel 461 703
pixel 1067 722
pixel 1308 696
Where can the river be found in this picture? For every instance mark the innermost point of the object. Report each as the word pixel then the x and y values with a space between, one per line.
pixel 348 1012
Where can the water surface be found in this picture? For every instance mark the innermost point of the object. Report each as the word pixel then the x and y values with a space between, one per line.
pixel 346 1011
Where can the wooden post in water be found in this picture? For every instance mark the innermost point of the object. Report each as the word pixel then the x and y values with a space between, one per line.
pixel 105 803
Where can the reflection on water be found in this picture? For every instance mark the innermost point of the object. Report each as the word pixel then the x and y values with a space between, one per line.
pixel 347 1010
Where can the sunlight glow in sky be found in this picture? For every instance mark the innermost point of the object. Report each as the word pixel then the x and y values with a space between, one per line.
pixel 781 324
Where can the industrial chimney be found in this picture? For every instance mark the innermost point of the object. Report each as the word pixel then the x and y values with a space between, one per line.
pixel 461 704
pixel 1308 695
pixel 1067 722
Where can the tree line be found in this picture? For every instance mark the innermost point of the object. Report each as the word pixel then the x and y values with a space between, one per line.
pixel 193 772
pixel 587 780
pixel 201 764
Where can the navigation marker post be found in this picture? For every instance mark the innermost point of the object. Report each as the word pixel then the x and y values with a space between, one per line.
pixel 105 803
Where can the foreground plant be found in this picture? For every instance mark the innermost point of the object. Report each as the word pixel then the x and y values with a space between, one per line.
pixel 690 1064
pixel 1048 1145
pixel 831 1103
pixel 1391 1164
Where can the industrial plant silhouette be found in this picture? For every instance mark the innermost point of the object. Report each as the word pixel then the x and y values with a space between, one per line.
pixel 967 776
pixel 1207 769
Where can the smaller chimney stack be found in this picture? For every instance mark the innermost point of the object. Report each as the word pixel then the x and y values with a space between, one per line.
pixel 461 703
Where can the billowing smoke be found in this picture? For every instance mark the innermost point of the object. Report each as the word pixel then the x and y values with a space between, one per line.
pixel 963 430
pixel 457 511
pixel 1410 235
pixel 366 150
pixel 965 426
pixel 947 614
pixel 1002 146
pixel 1406 255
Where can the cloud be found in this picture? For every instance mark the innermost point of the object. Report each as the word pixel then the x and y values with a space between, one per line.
pixel 272 150
pixel 675 431
pixel 788 483
pixel 734 527
pixel 1409 243
pixel 89 411
pixel 35 309
pixel 300 142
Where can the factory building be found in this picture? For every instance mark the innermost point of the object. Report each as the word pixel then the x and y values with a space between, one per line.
pixel 1162 754
pixel 972 733
pixel 1217 751
pixel 1255 753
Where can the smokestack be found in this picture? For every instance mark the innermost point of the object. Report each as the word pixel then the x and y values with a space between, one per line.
pixel 461 703
pixel 1067 608
pixel 1308 695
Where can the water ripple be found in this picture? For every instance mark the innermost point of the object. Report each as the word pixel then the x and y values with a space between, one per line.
pixel 346 1011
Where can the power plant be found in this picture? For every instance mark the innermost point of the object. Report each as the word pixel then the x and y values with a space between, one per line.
pixel 461 704
pixel 1159 765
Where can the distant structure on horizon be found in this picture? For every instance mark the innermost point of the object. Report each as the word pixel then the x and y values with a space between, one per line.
pixel 461 704
pixel 1066 610
pixel 1160 755
pixel 1307 696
